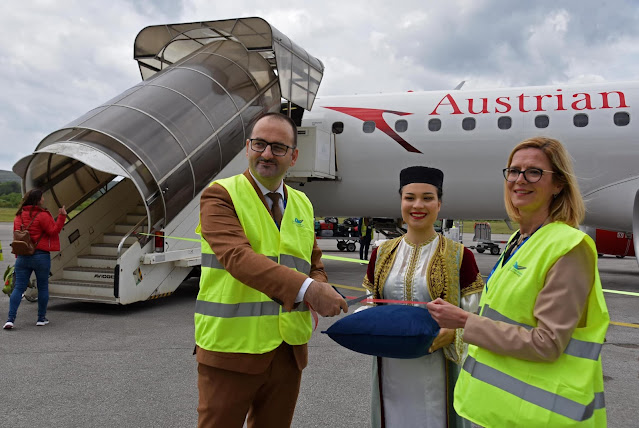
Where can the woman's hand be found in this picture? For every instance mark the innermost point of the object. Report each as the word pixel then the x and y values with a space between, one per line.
pixel 62 211
pixel 444 338
pixel 446 314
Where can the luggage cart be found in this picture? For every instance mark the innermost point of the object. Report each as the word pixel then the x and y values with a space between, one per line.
pixel 484 241
pixel 344 243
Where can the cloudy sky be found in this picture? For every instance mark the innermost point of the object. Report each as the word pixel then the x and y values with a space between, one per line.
pixel 60 58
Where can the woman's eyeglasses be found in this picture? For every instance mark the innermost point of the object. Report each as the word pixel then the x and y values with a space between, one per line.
pixel 531 175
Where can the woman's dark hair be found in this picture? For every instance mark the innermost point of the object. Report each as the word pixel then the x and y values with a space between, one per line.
pixel 32 197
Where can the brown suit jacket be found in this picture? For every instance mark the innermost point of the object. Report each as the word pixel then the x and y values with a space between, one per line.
pixel 222 230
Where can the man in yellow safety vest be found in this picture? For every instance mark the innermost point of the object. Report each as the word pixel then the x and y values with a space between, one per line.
pixel 261 273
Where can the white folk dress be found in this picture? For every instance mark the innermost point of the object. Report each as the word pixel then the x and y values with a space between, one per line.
pixel 415 389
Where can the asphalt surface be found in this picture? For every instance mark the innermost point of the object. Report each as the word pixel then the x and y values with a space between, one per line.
pixel 98 365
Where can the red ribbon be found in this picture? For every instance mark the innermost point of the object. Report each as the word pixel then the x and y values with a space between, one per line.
pixel 400 302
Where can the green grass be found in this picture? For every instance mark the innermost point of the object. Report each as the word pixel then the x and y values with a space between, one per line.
pixel 496 226
pixel 7 214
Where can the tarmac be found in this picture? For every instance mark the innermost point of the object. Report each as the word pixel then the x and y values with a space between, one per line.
pixel 99 365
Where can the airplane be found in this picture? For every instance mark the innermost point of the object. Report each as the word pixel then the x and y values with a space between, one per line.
pixel 152 150
pixel 469 135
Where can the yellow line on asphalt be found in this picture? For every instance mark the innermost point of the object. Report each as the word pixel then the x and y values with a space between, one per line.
pixel 348 287
pixel 624 324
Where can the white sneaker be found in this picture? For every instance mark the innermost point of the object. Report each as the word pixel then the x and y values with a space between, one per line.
pixel 8 325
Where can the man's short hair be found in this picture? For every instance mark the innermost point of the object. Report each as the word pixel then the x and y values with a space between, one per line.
pixel 283 118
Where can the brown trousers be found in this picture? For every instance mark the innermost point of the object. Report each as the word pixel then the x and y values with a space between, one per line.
pixel 226 397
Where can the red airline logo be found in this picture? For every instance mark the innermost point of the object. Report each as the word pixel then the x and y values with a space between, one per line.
pixel 376 115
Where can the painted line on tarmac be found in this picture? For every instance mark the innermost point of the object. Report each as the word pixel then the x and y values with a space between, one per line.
pixel 345 259
pixel 624 324
pixel 626 293
pixel 348 287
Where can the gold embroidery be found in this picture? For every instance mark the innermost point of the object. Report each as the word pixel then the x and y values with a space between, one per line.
pixel 409 281
pixel 476 287
pixel 443 271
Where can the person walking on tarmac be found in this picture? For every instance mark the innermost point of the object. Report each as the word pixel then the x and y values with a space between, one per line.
pixel 365 237
pixel 534 358
pixel 44 232
pixel 261 271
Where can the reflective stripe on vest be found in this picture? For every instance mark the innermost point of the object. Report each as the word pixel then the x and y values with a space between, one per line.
pixel 301 265
pixel 501 390
pixel 576 348
pixel 532 394
pixel 245 309
pixel 233 317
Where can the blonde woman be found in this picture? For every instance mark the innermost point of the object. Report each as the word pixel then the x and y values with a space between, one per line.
pixel 534 358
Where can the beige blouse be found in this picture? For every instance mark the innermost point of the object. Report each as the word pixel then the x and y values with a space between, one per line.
pixel 559 309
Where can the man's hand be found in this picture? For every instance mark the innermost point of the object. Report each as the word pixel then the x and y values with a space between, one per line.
pixel 324 299
pixel 445 337
pixel 446 314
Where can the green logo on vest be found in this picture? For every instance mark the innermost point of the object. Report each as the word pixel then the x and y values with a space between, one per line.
pixel 517 270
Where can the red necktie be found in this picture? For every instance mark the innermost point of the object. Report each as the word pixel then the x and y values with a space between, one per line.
pixel 276 210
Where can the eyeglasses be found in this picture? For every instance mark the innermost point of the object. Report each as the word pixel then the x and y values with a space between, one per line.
pixel 531 175
pixel 278 149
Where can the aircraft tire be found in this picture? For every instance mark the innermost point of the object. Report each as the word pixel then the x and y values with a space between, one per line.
pixel 350 247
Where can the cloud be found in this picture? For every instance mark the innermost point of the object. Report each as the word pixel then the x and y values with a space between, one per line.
pixel 62 58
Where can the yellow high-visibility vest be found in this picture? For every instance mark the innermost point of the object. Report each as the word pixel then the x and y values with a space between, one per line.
pixel 496 390
pixel 233 317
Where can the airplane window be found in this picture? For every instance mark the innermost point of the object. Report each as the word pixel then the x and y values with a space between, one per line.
pixel 504 122
pixel 622 118
pixel 401 125
pixel 434 125
pixel 368 127
pixel 338 127
pixel 468 123
pixel 580 120
pixel 542 121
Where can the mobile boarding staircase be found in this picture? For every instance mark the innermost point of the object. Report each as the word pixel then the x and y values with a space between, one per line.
pixel 151 151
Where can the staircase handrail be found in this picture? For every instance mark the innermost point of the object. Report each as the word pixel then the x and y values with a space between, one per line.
pixel 129 233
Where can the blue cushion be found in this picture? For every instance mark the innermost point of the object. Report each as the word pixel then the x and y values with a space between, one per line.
pixel 392 331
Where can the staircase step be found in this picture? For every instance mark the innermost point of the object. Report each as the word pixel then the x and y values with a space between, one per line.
pixel 140 210
pixel 84 297
pixel 82 273
pixel 106 249
pixel 97 261
pixel 83 284
pixel 134 218
pixel 115 238
pixel 82 290
pixel 123 227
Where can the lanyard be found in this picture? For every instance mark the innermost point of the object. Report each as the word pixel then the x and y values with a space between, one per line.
pixel 507 254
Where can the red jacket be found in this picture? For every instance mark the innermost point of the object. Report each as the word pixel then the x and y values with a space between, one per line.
pixel 43 225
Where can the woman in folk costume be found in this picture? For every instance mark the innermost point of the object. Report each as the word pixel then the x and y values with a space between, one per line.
pixel 421 266
pixel 534 358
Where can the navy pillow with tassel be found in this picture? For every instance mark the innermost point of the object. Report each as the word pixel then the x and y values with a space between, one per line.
pixel 391 331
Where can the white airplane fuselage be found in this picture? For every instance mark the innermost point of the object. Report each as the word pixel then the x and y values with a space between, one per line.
pixel 605 155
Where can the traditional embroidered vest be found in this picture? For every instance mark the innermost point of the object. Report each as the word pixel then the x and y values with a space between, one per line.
pixel 443 269
pixel 233 317
pixel 497 390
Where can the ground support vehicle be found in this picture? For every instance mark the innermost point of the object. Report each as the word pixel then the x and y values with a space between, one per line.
pixel 484 240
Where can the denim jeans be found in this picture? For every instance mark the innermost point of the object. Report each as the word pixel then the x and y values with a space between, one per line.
pixel 40 263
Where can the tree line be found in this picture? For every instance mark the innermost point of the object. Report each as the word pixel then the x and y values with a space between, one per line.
pixel 10 194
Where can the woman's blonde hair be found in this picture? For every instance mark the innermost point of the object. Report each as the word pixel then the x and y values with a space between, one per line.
pixel 568 206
